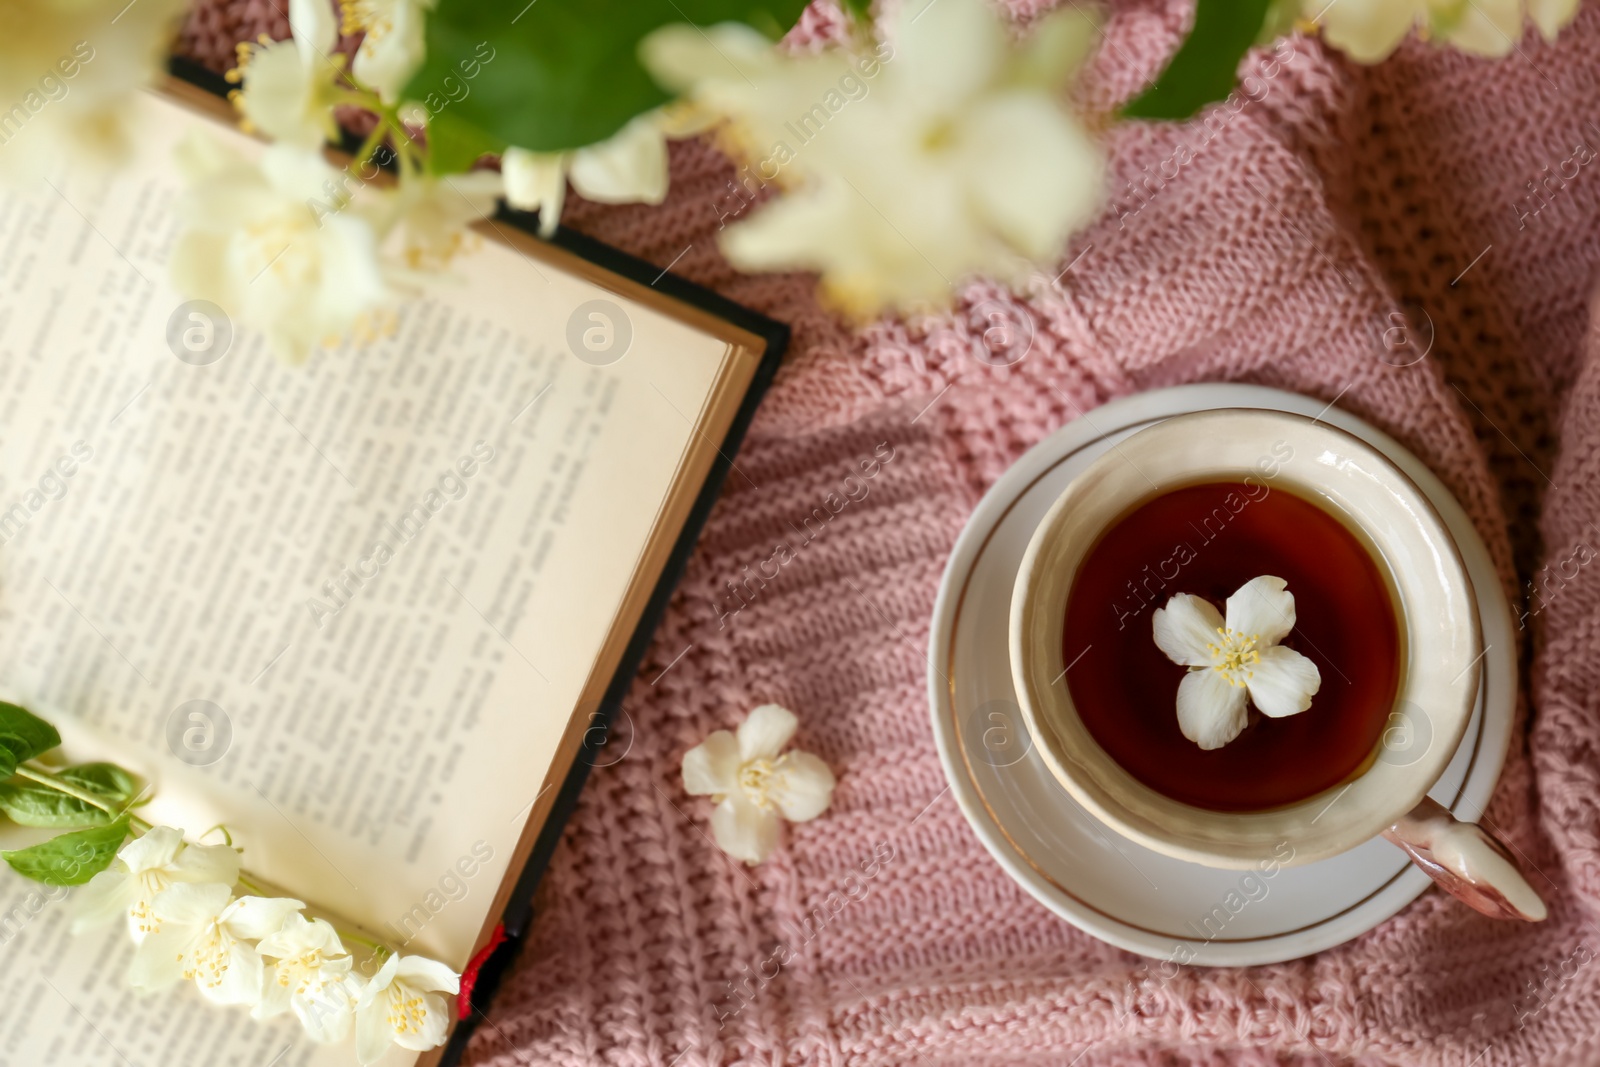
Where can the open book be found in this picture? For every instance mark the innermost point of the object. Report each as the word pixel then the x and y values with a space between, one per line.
pixel 368 613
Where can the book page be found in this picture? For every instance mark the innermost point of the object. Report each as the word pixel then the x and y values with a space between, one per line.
pixel 345 608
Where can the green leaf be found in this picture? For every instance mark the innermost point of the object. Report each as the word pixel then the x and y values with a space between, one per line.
pixel 555 74
pixel 104 779
pixel 1206 66
pixel 31 803
pixel 454 144
pixel 861 9
pixel 23 736
pixel 70 859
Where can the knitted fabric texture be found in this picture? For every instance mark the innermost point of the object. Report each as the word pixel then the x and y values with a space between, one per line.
pixel 1322 208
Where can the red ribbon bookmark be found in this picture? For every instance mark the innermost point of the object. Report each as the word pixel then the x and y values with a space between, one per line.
pixel 469 977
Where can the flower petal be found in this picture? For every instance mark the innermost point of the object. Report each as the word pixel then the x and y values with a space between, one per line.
pixel 387 60
pixel 373 991
pixel 241 978
pixel 1485 27
pixel 188 903
pixel 288 940
pixel 107 895
pixel 1284 682
pixel 1186 630
pixel 680 56
pixel 743 830
pixel 1055 48
pixel 207 863
pixel 374 1035
pixel 711 768
pixel 151 850
pixel 1022 151
pixel 946 53
pixel 1551 16
pixel 802 786
pixel 323 937
pixel 158 961
pixel 1262 608
pixel 809 229
pixel 326 1017
pixel 278 98
pixel 536 181
pixel 1211 712
pixel 274 996
pixel 631 167
pixel 299 935
pixel 1367 30
pixel 434 1024
pixel 255 917
pixel 427 975
pixel 314 29
pixel 765 731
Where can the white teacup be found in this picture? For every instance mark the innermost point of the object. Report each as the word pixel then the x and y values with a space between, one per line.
pixel 1441 647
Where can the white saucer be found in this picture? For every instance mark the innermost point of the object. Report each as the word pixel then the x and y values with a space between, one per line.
pixel 1104 884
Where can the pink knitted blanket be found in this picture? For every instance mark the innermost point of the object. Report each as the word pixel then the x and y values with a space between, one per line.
pixel 1303 221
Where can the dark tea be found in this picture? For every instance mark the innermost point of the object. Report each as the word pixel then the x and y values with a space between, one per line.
pixel 1209 540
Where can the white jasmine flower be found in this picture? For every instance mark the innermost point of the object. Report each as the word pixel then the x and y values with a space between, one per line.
pixel 1229 659
pixel 752 785
pixel 401 1006
pixel 311 977
pixel 393 47
pixel 68 79
pixel 283 244
pixel 629 167
pixel 291 87
pixel 202 933
pixel 907 169
pixel 431 214
pixel 1369 30
pixel 146 867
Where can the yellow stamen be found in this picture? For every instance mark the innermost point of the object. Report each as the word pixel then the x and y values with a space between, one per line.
pixel 1235 655
pixel 755 778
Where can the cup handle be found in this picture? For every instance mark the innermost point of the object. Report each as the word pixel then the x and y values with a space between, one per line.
pixel 1467 861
